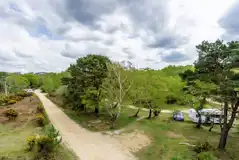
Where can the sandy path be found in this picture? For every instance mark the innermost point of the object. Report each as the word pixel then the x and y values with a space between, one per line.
pixel 86 145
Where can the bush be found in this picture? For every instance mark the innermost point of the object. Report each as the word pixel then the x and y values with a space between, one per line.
pixel 40 108
pixel 206 156
pixel 44 144
pixel 203 147
pixel 24 94
pixel 11 113
pixel 31 143
pixel 40 119
pixel 171 99
pixel 11 101
pixel 50 141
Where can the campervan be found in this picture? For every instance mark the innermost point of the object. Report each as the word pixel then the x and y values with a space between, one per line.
pixel 207 115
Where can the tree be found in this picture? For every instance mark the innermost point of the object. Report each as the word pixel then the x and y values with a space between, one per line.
pixel 16 83
pixel 88 73
pixel 199 90
pixel 216 64
pixel 33 80
pixel 115 87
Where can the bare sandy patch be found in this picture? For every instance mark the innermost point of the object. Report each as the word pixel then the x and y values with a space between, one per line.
pixel 174 135
pixel 133 141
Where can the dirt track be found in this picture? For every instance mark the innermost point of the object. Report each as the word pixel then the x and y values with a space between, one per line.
pixel 86 145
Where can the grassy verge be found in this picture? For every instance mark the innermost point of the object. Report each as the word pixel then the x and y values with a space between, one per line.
pixel 14 133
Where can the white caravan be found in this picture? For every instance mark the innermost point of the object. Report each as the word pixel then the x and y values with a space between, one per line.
pixel 214 115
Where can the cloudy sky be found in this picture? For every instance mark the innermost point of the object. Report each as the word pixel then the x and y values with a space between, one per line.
pixel 48 35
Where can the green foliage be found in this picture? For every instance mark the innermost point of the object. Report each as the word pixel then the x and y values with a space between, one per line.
pixel 33 79
pixel 31 140
pixel 46 143
pixel 50 82
pixel 215 65
pixel 206 156
pixel 11 113
pixel 171 99
pixel 40 108
pixel 40 119
pixel 84 84
pixel 11 101
pixel 202 147
pixel 17 83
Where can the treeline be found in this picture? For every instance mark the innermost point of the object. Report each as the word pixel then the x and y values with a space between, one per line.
pixel 48 82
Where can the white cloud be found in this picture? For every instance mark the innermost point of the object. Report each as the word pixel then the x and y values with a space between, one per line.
pixel 49 35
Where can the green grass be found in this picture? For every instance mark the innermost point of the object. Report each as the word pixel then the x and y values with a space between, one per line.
pixel 13 143
pixel 164 146
pixel 84 119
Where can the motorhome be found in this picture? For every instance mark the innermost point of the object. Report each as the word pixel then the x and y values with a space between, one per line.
pixel 207 115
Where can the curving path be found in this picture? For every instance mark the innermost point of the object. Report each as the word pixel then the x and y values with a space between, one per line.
pixel 86 145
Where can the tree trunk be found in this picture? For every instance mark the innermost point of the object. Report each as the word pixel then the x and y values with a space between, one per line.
pixel 150 113
pixel 97 109
pixel 223 139
pixel 227 125
pixel 199 123
pixel 210 129
pixel 136 114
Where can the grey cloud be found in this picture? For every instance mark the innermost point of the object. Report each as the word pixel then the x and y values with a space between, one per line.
pixel 174 57
pixel 73 51
pixel 149 59
pixel 168 42
pixel 87 11
pixel 22 55
pixel 230 21
pixel 129 53
pixel 70 52
pixel 109 42
pixel 90 37
pixel 152 15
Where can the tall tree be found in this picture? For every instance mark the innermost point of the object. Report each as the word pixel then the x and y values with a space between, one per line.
pixel 115 88
pixel 216 64
pixel 199 90
pixel 88 73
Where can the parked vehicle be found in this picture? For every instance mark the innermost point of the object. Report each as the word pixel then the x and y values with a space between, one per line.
pixel 178 116
pixel 207 115
pixel 29 90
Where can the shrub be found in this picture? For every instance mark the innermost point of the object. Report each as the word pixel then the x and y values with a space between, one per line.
pixel 24 94
pixel 11 101
pixel 206 156
pixel 171 99
pixel 47 143
pixel 11 113
pixel 31 143
pixel 40 119
pixel 203 147
pixel 52 94
pixel 44 144
pixel 40 108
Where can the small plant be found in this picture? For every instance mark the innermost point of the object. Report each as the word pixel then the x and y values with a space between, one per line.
pixel 11 101
pixel 40 108
pixel 44 144
pixel 40 119
pixel 11 113
pixel 203 147
pixel 206 156
pixel 31 142
pixel 47 143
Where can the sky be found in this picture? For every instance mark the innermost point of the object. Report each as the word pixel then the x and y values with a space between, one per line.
pixel 49 35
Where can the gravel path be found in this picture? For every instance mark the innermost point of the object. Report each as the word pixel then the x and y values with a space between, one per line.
pixel 86 145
